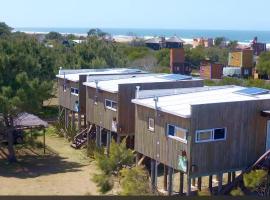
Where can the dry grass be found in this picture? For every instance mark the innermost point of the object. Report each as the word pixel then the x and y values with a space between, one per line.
pixel 62 171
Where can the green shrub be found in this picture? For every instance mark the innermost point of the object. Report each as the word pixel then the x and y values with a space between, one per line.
pixel 104 182
pixel 119 156
pixel 134 181
pixel 237 192
pixel 253 179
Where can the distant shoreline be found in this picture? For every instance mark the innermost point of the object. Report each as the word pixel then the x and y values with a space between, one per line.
pixel 128 38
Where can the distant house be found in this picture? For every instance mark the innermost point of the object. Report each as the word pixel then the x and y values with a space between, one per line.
pixel 241 61
pixel 174 42
pixel 258 47
pixel 211 70
pixel 156 43
pixel 204 42
pixel 202 131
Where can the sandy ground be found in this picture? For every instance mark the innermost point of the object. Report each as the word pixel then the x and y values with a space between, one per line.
pixel 62 171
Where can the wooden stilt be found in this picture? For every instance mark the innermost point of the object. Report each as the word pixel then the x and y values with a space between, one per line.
pixel 73 120
pixel 229 177
pixel 118 139
pixel 181 186
pixel 84 120
pixel 170 181
pixel 193 182
pixel 210 183
pixel 199 184
pixel 165 181
pixel 153 166
pixel 79 121
pixel 98 136
pixel 137 158
pixel 188 186
pixel 108 142
pixel 220 178
pixel 233 176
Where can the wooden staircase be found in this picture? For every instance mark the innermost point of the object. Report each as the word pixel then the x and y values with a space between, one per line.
pixel 81 138
pixel 262 163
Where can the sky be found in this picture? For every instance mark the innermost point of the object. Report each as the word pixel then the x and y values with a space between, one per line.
pixel 166 14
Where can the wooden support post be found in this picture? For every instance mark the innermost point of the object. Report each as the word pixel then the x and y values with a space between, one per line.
pixel 181 186
pixel 233 176
pixel 137 158
pixel 118 139
pixel 229 177
pixel 84 120
pixel 210 185
pixel 153 167
pixel 193 182
pixel 108 142
pixel 79 121
pixel 188 186
pixel 220 178
pixel 73 120
pixel 65 118
pixel 199 184
pixel 165 181
pixel 170 181
pixel 97 136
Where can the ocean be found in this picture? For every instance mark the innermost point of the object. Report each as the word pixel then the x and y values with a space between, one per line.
pixel 240 36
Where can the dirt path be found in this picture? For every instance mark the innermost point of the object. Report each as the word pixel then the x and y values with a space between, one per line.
pixel 64 172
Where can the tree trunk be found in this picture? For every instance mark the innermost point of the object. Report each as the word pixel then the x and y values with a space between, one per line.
pixel 10 139
pixel 11 151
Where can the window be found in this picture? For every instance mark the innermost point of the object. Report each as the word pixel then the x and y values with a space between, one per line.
pixel 74 91
pixel 112 105
pixel 211 135
pixel 177 133
pixel 219 134
pixel 151 124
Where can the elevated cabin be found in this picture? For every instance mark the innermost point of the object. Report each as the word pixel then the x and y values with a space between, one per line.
pixel 203 131
pixel 108 102
pixel 204 42
pixel 71 91
pixel 174 42
pixel 156 43
pixel 241 58
pixel 258 47
pixel 210 70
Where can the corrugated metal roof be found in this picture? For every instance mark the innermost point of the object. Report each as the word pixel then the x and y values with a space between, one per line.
pixel 112 85
pixel 73 75
pixel 180 104
pixel 175 39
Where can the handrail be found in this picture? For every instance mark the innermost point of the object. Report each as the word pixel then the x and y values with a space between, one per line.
pixel 227 188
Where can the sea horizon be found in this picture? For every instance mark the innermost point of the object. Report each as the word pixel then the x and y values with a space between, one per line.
pixel 244 36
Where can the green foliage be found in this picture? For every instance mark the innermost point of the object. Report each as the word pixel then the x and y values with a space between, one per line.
pixel 5 29
pixel 96 32
pixel 119 157
pixel 26 73
pixel 134 181
pixel 104 182
pixel 263 65
pixel 163 57
pixel 195 55
pixel 216 54
pixel 253 179
pixel 218 41
pixel 237 192
pixel 232 44
pixel 54 36
pixel 134 53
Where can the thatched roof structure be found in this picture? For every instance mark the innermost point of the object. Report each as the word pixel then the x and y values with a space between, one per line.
pixel 29 120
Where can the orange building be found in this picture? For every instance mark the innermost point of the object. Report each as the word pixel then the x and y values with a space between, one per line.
pixel 210 70
pixel 241 58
